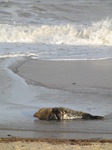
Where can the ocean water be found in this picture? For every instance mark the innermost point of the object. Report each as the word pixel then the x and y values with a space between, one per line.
pixel 57 29
pixel 52 30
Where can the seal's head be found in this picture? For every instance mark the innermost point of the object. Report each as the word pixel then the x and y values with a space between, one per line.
pixel 50 114
pixel 43 113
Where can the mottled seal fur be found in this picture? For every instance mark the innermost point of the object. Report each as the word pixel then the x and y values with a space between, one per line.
pixel 61 113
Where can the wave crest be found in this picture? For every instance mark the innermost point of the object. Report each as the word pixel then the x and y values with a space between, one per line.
pixel 99 33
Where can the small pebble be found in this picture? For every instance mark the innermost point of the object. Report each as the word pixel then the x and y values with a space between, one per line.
pixel 8 135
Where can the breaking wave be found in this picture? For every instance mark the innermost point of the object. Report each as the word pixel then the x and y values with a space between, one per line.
pixel 98 33
pixel 18 55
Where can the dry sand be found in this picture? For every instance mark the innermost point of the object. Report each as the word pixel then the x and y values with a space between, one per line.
pixel 28 144
pixel 47 146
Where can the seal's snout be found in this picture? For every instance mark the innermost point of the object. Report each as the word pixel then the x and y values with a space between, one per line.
pixel 34 115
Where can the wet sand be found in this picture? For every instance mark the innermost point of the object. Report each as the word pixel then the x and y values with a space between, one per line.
pixel 65 75
pixel 84 86
pixel 90 86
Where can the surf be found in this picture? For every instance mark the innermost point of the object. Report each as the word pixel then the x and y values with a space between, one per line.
pixel 97 33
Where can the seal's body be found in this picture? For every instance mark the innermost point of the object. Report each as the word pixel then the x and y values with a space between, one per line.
pixel 60 113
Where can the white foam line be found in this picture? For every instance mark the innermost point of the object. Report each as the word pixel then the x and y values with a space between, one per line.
pixel 77 59
pixel 18 55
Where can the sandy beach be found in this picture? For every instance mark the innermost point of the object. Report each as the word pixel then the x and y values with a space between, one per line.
pixel 55 54
pixel 53 144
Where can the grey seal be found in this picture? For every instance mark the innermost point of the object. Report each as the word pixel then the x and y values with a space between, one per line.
pixel 61 113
